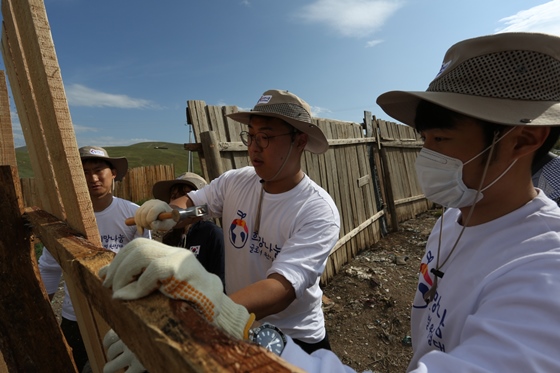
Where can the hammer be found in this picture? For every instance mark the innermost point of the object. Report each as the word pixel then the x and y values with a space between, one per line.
pixel 178 214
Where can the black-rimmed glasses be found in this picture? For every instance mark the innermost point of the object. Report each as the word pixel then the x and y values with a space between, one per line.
pixel 261 138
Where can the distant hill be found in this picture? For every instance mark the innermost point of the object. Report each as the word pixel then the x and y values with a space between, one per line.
pixel 138 155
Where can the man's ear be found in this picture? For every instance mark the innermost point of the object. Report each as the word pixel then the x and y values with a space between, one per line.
pixel 301 141
pixel 529 139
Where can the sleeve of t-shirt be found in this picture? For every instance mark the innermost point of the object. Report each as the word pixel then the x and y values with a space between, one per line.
pixel 50 271
pixel 320 361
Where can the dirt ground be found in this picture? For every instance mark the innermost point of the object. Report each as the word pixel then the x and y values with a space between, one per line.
pixel 368 318
pixel 367 304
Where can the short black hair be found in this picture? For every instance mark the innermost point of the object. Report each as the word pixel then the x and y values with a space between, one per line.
pixel 431 116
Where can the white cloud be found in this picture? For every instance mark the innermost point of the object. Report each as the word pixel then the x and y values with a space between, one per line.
pixel 373 43
pixel 541 18
pixel 317 111
pixel 79 95
pixel 351 18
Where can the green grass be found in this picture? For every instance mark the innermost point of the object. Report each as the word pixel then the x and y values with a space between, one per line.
pixel 138 155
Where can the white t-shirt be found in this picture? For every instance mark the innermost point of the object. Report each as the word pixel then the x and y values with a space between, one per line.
pixel 496 308
pixel 497 305
pixel 298 229
pixel 114 235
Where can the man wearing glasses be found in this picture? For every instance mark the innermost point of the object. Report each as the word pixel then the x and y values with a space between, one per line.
pixel 279 225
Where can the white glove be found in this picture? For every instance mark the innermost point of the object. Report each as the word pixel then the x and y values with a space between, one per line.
pixel 144 265
pixel 146 217
pixel 119 355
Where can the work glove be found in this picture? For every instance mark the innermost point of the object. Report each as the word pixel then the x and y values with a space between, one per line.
pixel 146 217
pixel 119 356
pixel 144 265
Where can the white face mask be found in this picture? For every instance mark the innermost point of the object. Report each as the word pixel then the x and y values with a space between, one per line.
pixel 441 178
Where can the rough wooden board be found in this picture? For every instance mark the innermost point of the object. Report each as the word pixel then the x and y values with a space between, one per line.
pixel 24 350
pixel 21 88
pixel 167 335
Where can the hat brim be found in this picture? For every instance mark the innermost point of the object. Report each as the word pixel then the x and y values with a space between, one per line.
pixel 162 189
pixel 119 164
pixel 316 143
pixel 402 105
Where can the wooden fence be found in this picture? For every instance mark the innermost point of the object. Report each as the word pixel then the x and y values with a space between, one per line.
pixel 368 170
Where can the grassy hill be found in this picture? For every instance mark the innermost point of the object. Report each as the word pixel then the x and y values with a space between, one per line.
pixel 138 155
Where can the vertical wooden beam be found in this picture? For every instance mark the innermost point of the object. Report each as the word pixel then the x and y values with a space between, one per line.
pixel 36 77
pixel 28 113
pixel 24 304
pixel 385 176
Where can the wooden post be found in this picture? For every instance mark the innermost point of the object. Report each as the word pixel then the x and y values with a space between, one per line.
pixel 24 304
pixel 386 180
pixel 376 167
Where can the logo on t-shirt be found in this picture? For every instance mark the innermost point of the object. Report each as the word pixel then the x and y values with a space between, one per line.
pixel 238 231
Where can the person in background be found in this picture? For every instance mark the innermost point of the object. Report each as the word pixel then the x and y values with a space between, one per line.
pixel 488 290
pixel 204 238
pixel 100 172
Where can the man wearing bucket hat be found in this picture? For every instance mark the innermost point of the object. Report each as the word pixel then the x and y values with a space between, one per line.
pixel 489 283
pixel 204 238
pixel 280 228
pixel 110 213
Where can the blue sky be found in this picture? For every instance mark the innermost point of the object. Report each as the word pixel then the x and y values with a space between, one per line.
pixel 129 67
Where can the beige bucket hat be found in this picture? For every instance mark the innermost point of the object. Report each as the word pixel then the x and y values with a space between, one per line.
pixel 508 78
pixel 162 189
pixel 120 164
pixel 290 108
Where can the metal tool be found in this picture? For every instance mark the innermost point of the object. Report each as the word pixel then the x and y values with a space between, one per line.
pixel 178 214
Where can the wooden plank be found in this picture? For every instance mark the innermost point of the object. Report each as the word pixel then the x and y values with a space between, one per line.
pixel 27 114
pixel 197 118
pixel 344 190
pixel 23 349
pixel 362 167
pixel 166 335
pixel 356 230
pixel 7 150
pixel 37 46
pixel 410 199
pixel 233 129
pixel 350 141
pixel 217 125
pixel 332 187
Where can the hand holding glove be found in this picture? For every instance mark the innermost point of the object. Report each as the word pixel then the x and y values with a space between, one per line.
pixel 119 355
pixel 143 266
pixel 146 217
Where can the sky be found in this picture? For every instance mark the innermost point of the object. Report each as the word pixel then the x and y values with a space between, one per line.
pixel 129 66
